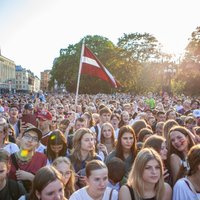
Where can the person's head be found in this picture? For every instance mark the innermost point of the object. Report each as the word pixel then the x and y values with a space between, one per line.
pixel 28 108
pixel 180 141
pixel 64 166
pixel 83 141
pixel 171 114
pixel 125 117
pixel 158 143
pixel 116 170
pixel 138 125
pixel 190 123
pixel 30 139
pixel 60 108
pixel 144 134
pixel 44 120
pixel 63 125
pixel 107 132
pixel 47 185
pixel 127 107
pixel 147 169
pixel 194 159
pixel 167 126
pixel 159 128
pixel 96 118
pixel 3 130
pixel 115 119
pixel 57 145
pixel 186 104
pixel 160 116
pixel 80 123
pixel 13 111
pixel 126 142
pixel 4 165
pixel 105 115
pixel 97 177
pixel 194 104
pixel 71 115
pixel 89 119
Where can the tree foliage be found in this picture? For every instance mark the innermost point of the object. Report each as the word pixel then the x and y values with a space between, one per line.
pixel 137 62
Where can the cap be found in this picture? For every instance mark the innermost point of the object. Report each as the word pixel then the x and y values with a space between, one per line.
pixel 196 113
pixel 28 106
pixel 44 115
pixel 34 129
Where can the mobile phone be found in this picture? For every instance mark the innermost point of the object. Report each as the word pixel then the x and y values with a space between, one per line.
pixel 29 118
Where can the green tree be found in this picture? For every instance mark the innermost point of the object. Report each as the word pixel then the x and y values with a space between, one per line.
pixel 142 47
pixel 189 69
pixel 65 68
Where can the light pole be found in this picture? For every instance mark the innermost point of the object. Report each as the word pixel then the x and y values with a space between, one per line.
pixel 169 72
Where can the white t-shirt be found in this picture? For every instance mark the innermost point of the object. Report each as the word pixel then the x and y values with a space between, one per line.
pixel 182 191
pixel 11 148
pixel 83 195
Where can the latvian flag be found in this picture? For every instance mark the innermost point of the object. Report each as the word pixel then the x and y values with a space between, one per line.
pixel 93 67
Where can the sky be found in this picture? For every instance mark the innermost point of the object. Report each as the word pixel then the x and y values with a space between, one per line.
pixel 32 32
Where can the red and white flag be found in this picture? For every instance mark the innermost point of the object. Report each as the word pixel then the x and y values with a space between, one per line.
pixel 92 66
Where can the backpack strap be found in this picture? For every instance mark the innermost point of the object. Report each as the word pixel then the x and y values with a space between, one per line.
pixel 110 197
pixel 97 131
pixel 14 161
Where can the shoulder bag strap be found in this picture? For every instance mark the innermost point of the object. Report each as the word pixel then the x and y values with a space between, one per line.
pixel 14 161
pixel 110 197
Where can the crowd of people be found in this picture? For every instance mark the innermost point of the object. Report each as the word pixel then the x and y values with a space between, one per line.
pixel 103 147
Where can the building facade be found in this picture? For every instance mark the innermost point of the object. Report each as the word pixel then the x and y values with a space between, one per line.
pixel 45 78
pixel 7 75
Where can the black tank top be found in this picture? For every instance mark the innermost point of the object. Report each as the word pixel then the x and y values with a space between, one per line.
pixel 133 196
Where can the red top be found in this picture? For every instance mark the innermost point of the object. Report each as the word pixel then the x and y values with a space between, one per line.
pixel 38 161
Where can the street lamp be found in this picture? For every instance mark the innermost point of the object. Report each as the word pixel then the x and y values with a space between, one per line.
pixel 169 72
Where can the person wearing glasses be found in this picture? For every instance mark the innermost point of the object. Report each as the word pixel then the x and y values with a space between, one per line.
pixel 64 166
pixel 26 162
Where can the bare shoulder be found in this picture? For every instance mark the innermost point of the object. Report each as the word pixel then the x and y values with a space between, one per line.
pixel 168 192
pixel 175 158
pixel 124 193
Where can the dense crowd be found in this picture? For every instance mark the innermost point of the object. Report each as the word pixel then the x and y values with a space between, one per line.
pixel 103 147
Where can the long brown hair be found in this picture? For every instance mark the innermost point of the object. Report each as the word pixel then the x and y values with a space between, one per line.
pixel 185 132
pixel 56 138
pixel 119 148
pixel 76 151
pixel 43 177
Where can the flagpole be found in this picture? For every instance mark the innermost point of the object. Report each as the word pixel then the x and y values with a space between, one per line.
pixel 79 73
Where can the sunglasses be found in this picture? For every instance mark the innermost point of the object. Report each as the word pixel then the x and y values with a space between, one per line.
pixel 60 108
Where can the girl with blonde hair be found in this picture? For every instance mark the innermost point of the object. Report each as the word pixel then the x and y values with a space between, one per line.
pixel 64 166
pixel 146 180
pixel 107 140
